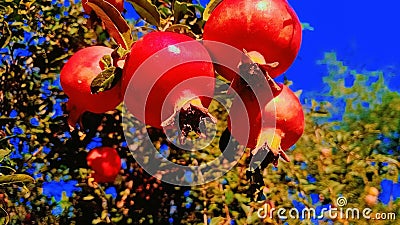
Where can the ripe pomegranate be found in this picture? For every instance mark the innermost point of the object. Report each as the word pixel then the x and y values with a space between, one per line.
pixel 276 121
pixel 105 162
pixel 76 77
pixel 118 4
pixel 289 116
pixel 270 27
pixel 165 79
pixel 245 118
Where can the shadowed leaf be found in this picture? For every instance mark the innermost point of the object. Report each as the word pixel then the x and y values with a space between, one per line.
pixel 180 9
pixel 106 80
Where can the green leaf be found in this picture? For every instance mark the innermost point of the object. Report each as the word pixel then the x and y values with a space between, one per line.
pixel 229 196
pixel 183 29
pixel 241 198
pixel 307 26
pixel 147 10
pixel 180 10
pixel 210 7
pixel 121 52
pixel 4 153
pixel 7 137
pixel 107 61
pixel 16 178
pixel 88 198
pixel 106 80
pixel 5 36
pixel 216 220
pixel 113 21
pixel 245 208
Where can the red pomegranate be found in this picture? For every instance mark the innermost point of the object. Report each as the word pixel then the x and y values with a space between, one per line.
pixel 270 27
pixel 118 4
pixel 289 117
pixel 165 79
pixel 275 118
pixel 76 77
pixel 105 162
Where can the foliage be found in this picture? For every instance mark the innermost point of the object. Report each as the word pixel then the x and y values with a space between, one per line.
pixel 350 142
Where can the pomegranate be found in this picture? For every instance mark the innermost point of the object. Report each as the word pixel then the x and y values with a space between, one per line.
pixel 276 120
pixel 118 4
pixel 245 118
pixel 105 162
pixel 76 77
pixel 288 112
pixel 270 27
pixel 169 78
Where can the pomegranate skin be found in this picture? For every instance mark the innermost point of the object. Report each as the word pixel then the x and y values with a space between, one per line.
pixel 270 27
pixel 105 162
pixel 244 121
pixel 268 117
pixel 76 77
pixel 163 72
pixel 289 117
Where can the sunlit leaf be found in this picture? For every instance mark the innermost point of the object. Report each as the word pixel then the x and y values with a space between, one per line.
pixel 5 37
pixel 114 22
pixel 216 220
pixel 147 10
pixel 183 29
pixel 15 179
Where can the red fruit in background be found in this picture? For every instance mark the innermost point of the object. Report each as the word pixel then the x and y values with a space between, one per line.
pixel 105 162
pixel 118 4
pixel 76 77
pixel 270 27
pixel 167 74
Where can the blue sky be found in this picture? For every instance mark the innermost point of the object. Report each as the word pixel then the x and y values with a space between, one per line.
pixel 363 33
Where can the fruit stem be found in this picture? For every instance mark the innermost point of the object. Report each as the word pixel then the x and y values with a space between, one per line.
pixel 275 86
pixel 253 67
pixel 270 150
pixel 75 113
